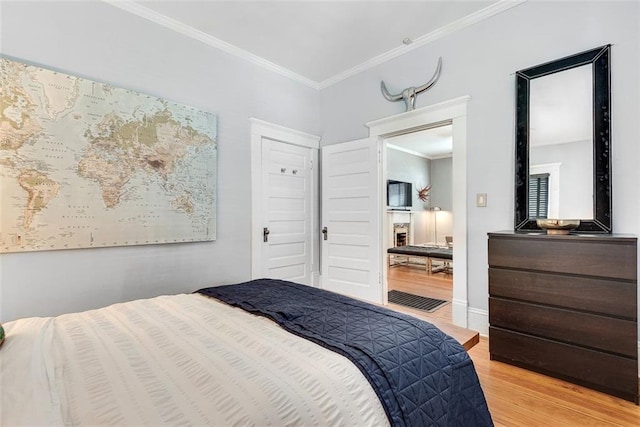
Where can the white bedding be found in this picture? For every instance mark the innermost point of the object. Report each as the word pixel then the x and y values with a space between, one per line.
pixel 175 360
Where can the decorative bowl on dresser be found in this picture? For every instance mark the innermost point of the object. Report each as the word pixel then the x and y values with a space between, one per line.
pixel 566 306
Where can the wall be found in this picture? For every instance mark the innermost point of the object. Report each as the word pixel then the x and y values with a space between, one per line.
pixel 101 42
pixel 420 171
pixel 441 178
pixel 442 197
pixel 480 61
pixel 406 167
pixel 575 176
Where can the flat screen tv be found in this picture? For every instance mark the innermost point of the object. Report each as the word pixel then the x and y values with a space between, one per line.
pixel 399 195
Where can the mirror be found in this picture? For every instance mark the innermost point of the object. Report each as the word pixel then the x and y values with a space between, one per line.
pixel 563 157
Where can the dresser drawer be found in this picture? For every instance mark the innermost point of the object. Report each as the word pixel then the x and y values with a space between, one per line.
pixel 603 333
pixel 606 258
pixel 612 297
pixel 611 374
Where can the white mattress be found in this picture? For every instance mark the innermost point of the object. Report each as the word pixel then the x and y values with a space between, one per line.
pixel 175 360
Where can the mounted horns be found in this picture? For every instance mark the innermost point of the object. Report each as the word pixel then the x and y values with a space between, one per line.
pixel 409 94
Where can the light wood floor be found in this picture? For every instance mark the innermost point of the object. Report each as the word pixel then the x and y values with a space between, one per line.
pixel 415 280
pixel 517 397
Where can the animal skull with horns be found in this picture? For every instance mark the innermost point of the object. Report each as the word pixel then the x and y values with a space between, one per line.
pixel 410 94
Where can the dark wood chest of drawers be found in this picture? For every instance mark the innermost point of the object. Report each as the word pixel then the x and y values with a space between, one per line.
pixel 566 306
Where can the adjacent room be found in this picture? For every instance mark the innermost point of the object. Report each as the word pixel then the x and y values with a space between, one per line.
pixel 420 220
pixel 319 212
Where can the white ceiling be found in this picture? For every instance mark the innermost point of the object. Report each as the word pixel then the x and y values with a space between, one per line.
pixel 316 42
pixel 322 42
pixel 434 143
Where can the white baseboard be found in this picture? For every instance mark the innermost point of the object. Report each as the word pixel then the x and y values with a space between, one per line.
pixel 478 320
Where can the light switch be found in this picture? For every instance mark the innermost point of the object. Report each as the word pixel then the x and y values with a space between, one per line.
pixel 481 200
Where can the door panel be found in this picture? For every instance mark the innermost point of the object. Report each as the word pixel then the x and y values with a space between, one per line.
pixel 351 211
pixel 286 201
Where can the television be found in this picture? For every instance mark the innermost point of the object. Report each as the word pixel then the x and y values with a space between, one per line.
pixel 399 195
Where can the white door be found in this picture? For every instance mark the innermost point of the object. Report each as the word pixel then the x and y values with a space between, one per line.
pixel 351 217
pixel 286 211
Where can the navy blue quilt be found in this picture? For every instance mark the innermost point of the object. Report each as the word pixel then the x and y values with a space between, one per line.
pixel 422 376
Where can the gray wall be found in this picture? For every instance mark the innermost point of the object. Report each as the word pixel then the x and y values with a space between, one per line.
pixel 441 180
pixel 104 43
pixel 406 167
pixel 101 42
pixel 480 61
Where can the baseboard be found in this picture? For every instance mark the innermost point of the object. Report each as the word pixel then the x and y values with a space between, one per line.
pixel 478 320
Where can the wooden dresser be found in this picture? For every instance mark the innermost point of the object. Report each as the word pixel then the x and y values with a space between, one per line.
pixel 566 306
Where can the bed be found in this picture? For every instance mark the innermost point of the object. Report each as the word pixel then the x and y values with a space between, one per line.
pixel 264 352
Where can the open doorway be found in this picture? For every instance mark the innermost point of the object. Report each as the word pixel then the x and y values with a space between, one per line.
pixel 453 111
pixel 419 173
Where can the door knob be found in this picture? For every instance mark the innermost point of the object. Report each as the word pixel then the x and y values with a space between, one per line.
pixel 325 232
pixel 265 234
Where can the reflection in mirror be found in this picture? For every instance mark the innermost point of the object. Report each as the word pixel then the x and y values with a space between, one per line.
pixel 563 146
pixel 560 145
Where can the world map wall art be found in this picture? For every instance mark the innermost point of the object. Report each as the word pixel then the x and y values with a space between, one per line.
pixel 85 164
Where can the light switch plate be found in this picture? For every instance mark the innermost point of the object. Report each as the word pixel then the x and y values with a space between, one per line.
pixel 481 200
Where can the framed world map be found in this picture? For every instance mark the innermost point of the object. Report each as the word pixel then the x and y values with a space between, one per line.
pixel 85 164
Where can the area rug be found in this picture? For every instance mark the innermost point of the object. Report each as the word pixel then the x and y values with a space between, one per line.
pixel 415 301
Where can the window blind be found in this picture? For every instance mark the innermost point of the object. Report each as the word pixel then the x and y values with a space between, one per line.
pixel 538 195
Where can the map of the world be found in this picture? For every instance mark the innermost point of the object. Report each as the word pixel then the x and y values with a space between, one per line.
pixel 84 164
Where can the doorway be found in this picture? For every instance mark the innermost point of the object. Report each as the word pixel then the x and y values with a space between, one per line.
pixel 422 162
pixel 420 266
pixel 455 112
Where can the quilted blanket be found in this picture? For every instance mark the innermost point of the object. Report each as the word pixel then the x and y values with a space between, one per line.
pixel 422 376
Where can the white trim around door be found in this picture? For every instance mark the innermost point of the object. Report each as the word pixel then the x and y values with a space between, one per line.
pixel 264 130
pixel 455 112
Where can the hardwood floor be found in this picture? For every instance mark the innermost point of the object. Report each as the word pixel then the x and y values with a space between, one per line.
pixel 415 280
pixel 517 397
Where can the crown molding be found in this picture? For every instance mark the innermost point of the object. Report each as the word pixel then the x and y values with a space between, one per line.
pixel 179 27
pixel 407 150
pixel 416 153
pixel 450 28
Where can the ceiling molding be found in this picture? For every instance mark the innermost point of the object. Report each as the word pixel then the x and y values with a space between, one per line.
pixel 179 27
pixel 406 150
pixel 450 28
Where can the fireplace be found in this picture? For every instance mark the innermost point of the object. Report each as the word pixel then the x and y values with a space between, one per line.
pixel 401 234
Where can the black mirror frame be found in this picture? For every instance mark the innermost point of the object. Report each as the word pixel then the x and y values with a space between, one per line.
pixel 599 59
